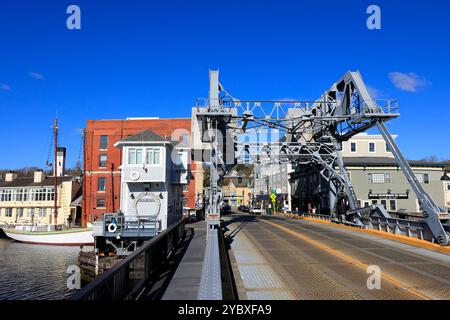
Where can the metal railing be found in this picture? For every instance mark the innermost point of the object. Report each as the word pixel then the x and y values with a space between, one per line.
pixel 127 279
pixel 397 226
pixel 130 226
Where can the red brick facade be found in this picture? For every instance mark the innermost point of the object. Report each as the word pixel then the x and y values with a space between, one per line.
pixel 97 202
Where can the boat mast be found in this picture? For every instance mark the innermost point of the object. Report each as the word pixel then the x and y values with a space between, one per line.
pixel 55 131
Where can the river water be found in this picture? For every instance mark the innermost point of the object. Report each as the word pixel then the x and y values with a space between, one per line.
pixel 29 271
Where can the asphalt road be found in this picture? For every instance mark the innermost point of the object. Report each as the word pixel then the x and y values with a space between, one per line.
pixel 283 258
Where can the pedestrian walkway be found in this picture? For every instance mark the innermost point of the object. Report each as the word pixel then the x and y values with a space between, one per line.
pixel 186 280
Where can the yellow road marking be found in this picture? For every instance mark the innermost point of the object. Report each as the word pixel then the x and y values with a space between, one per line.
pixel 395 237
pixel 350 260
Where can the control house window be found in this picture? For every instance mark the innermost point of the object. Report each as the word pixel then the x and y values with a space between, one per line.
pixel 103 142
pixel 153 156
pixel 353 147
pixel 101 184
pixel 371 147
pixel 102 160
pixel 135 156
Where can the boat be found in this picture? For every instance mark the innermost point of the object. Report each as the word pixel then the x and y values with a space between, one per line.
pixel 68 237
pixel 50 234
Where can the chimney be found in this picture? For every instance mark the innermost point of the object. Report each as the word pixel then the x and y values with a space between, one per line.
pixel 38 176
pixel 10 176
pixel 60 161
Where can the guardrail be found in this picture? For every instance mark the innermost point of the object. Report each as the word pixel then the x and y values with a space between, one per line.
pixel 127 279
pixel 408 228
pixel 138 226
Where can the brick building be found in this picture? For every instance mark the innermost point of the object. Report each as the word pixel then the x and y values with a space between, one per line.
pixel 101 187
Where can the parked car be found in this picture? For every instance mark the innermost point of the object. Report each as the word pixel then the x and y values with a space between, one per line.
pixel 226 209
pixel 243 208
pixel 255 211
pixel 189 215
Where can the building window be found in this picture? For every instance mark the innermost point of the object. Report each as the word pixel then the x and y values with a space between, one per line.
pixel 379 177
pixel 448 186
pixel 102 160
pixel 8 212
pixel 353 147
pixel 388 149
pixel 42 212
pixel 103 142
pixel 240 180
pixel 371 147
pixel 101 184
pixel 19 212
pixel 101 203
pixel 423 178
pixel 6 195
pixel 153 156
pixel 393 205
pixel 134 156
pixel 30 212
pixel 17 196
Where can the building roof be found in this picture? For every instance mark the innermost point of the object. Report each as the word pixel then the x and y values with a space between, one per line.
pixel 146 136
pixel 384 161
pixel 77 202
pixel 240 170
pixel 29 182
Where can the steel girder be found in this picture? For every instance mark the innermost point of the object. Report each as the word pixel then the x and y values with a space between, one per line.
pixel 314 132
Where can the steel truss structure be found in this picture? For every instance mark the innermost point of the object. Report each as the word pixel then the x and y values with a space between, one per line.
pixel 312 133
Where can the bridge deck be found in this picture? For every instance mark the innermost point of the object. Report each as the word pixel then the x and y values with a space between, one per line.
pixel 282 258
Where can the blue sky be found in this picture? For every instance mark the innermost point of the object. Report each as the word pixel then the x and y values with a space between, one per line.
pixel 151 58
